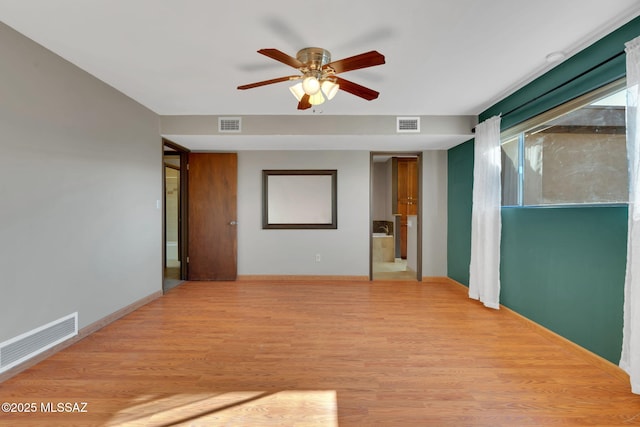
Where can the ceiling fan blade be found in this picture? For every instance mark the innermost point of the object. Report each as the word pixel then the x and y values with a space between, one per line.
pixel 282 57
pixel 364 60
pixel 304 103
pixel 356 89
pixel 268 82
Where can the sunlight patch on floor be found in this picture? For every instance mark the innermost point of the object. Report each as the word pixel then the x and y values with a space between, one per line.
pixel 238 408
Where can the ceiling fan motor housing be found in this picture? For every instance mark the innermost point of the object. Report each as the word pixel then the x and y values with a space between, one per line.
pixel 314 58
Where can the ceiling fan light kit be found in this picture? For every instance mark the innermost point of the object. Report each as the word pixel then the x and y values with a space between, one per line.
pixel 310 85
pixel 318 74
pixel 297 91
pixel 330 89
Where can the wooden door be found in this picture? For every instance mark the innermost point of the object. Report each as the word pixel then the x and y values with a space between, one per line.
pixel 212 216
pixel 407 201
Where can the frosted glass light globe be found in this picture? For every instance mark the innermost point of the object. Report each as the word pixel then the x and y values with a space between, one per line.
pixel 316 99
pixel 311 85
pixel 330 89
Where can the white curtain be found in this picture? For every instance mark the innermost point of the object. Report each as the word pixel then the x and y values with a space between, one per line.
pixel 486 223
pixel 630 359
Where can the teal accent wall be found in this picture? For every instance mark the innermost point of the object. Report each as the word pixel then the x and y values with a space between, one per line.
pixel 460 192
pixel 601 63
pixel 562 267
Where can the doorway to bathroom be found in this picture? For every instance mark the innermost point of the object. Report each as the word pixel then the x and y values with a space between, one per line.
pixel 175 202
pixel 395 212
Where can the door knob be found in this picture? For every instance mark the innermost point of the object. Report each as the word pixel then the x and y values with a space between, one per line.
pixel 233 223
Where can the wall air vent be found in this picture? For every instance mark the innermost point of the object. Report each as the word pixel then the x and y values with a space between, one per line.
pixel 23 347
pixel 408 124
pixel 229 124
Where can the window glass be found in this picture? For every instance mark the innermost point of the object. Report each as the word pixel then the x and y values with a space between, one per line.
pixel 510 171
pixel 578 157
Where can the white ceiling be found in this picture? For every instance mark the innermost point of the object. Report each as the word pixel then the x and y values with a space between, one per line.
pixel 186 57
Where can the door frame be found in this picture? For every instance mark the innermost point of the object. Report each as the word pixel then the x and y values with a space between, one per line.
pixel 171 148
pixel 418 155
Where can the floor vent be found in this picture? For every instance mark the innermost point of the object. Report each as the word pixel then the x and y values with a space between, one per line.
pixel 23 347
pixel 408 124
pixel 229 124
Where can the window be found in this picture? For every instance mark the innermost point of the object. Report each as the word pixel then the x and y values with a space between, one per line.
pixel 574 154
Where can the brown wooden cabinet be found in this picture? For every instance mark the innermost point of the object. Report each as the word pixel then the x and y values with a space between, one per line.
pixel 407 196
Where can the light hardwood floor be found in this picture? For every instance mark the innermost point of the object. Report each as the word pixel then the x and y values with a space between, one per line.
pixel 263 353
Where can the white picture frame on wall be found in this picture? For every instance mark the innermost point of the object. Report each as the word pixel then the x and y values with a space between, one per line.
pixel 299 199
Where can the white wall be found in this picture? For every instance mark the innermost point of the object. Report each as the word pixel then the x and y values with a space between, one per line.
pixel 80 173
pixel 434 217
pixel 343 252
pixel 380 201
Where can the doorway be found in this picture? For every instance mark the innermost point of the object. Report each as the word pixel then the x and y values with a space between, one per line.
pixel 175 205
pixel 396 231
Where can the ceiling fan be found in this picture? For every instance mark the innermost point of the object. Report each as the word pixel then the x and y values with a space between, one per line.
pixel 319 74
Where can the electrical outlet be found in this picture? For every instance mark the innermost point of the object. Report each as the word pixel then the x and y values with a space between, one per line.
pixel 318 258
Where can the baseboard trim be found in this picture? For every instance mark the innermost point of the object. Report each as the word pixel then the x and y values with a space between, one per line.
pixel 587 355
pixel 436 279
pixel 299 278
pixel 82 333
pixel 455 282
